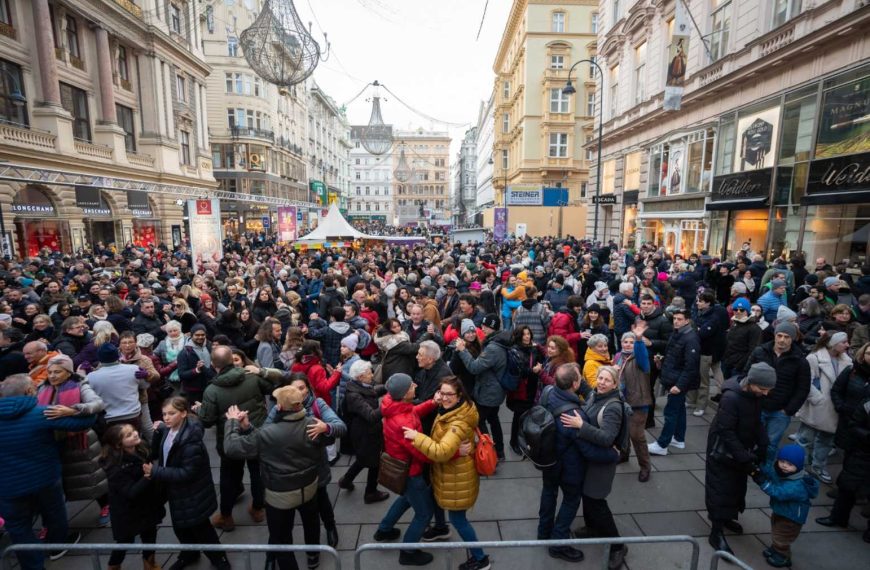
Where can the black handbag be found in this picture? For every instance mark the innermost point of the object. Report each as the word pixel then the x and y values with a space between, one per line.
pixel 393 473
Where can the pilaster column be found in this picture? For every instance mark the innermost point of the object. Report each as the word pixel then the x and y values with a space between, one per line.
pixel 104 67
pixel 45 53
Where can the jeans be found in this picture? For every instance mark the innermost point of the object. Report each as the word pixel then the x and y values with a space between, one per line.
pixel 280 523
pixel 675 420
pixel 417 496
pixel 599 519
pixel 232 472
pixel 551 525
pixel 148 537
pixel 817 444
pixel 371 478
pixel 48 502
pixel 488 423
pixel 466 531
pixel 775 423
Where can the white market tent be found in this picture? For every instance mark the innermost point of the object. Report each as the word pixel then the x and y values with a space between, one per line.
pixel 335 230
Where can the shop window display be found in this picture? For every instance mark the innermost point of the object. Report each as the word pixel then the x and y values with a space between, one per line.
pixel 837 232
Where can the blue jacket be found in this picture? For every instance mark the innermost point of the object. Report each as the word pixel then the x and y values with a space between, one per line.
pixel 791 496
pixel 31 456
pixel 623 317
pixel 770 304
pixel 574 453
pixel 557 298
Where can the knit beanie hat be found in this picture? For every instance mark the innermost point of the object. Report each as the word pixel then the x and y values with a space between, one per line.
pixel 739 288
pixel 145 340
pixel 776 284
pixel 836 338
pixel 196 328
pixel 793 453
pixel 787 328
pixel 467 326
pixel 831 281
pixel 108 352
pixel 491 321
pixel 398 385
pixel 762 375
pixel 741 303
pixel 784 314
pixel 63 361
pixel 351 341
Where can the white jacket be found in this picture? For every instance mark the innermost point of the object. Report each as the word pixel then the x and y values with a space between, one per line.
pixel 818 411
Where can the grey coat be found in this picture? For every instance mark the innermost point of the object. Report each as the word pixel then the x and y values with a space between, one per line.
pixel 488 368
pixel 599 476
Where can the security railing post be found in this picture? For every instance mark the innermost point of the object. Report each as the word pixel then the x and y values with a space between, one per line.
pixel 248 559
pixel 696 555
pixel 95 560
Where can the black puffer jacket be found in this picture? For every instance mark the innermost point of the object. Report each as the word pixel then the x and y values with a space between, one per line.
pixel 682 361
pixel 851 388
pixel 186 475
pixel 740 341
pixel 135 502
pixel 712 325
pixel 855 475
pixel 659 329
pixel 736 431
pixel 363 418
pixel 792 377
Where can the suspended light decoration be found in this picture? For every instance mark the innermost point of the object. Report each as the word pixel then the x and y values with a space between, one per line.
pixel 279 48
pixel 403 171
pixel 377 138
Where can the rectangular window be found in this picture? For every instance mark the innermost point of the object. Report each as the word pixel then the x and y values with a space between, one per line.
pixel 558 145
pixel 592 70
pixel 505 123
pixel 590 104
pixel 583 189
pixel 75 102
pixel 558 101
pixel 504 159
pixel 180 88
pixel 125 121
pixel 258 87
pixel 721 29
pixel 639 72
pixel 185 148
pixel 240 83
pixel 175 19
pixel 12 81
pixel 5 14
pixel 72 37
pixel 557 62
pixel 123 69
pixel 232 46
pixel 506 90
pixel 615 12
pixel 785 10
pixel 614 91
pixel 229 81
pixel 594 22
pixel 558 22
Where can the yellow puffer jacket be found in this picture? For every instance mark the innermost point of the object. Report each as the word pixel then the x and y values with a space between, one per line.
pixel 454 479
pixel 592 363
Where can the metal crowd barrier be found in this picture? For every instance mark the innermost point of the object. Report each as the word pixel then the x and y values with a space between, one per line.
pixel 495 544
pixel 730 558
pixel 95 550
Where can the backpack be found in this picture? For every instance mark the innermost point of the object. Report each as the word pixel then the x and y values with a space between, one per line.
pixel 537 435
pixel 510 378
pixel 622 441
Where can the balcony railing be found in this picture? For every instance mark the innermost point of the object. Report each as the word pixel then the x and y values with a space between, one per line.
pixel 7 30
pixel 145 160
pixel 77 62
pixel 93 150
pixel 22 135
pixel 252 132
pixel 130 7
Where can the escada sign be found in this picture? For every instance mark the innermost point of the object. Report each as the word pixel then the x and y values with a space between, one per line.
pixel 742 185
pixel 841 174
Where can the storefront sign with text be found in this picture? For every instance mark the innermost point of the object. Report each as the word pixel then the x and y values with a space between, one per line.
pixel 742 185
pixel 604 199
pixel 842 174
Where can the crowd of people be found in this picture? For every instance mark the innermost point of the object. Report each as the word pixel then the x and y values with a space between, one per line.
pixel 114 363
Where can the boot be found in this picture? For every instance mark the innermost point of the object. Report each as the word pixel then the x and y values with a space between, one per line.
pixel 718 542
pixel 225 523
pixel 414 558
pixel 257 515
pixel 150 563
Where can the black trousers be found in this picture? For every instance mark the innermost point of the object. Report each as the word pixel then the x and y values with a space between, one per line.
pixel 201 533
pixel 232 473
pixel 371 479
pixel 488 423
pixel 599 519
pixel 280 524
pixel 148 537
pixel 324 507
pixel 518 408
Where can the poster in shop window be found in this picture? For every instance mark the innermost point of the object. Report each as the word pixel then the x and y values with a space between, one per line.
pixel 677 55
pixel 206 243
pixel 844 127
pixel 757 134
pixel 287 223
pixel 674 172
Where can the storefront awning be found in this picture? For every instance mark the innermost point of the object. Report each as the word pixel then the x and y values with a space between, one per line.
pixel 746 204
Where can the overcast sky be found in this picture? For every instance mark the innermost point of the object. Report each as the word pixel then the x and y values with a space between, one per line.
pixel 425 51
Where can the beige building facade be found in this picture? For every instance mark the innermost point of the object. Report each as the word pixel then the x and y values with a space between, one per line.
pixel 772 121
pixel 101 137
pixel 426 194
pixel 540 132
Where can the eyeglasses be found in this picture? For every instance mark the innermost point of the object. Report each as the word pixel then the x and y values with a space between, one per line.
pixel 739 310
pixel 447 394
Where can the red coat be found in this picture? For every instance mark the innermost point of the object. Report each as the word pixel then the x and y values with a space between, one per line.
pixel 452 334
pixel 374 321
pixel 316 373
pixel 404 414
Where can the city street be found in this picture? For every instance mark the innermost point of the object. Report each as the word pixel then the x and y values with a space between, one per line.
pixel 672 502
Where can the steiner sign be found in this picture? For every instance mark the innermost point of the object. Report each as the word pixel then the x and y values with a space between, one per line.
pixel 525 196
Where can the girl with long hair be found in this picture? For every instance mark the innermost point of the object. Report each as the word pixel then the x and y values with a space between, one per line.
pixel 556 352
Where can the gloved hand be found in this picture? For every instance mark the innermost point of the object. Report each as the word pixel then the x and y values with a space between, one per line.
pixel 86 366
pixel 141 374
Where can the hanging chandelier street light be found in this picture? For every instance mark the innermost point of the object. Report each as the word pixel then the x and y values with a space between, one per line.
pixel 377 137
pixel 403 171
pixel 279 48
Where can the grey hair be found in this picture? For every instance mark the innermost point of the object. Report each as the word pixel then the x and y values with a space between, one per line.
pixel 431 348
pixel 173 325
pixel 16 385
pixel 596 340
pixel 358 368
pixel 626 287
pixel 630 335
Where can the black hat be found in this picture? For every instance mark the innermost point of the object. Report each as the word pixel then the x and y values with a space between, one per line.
pixel 84 297
pixel 491 321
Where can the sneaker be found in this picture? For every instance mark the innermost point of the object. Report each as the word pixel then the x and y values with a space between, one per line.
pixel 656 449
pixel 104 516
pixel 72 538
pixel 566 553
pixel 777 560
pixel 375 497
pixel 677 444
pixel 474 564
pixel 225 523
pixel 436 534
pixel 793 436
pixel 698 413
pixel 415 558
pixel 387 535
pixel 345 484
pixel 822 475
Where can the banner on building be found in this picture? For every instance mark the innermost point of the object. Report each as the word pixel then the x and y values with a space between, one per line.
pixel 318 188
pixel 757 134
pixel 677 55
pixel 206 243
pixel 287 217
pixel 499 227
pixel 844 127
pixel 525 195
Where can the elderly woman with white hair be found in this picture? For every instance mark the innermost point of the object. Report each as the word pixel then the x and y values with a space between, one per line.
pixel 169 349
pixel 363 417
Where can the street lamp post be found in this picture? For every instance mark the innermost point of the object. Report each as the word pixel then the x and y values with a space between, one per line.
pixel 18 100
pixel 569 90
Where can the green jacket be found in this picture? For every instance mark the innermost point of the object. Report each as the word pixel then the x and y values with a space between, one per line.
pixel 234 386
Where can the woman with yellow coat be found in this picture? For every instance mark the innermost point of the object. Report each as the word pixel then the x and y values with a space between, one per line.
pixel 455 481
pixel 597 355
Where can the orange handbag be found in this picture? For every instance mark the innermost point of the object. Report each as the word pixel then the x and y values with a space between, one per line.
pixel 485 458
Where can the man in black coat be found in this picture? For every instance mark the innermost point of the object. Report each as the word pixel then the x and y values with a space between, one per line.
pixel 736 444
pixel 679 375
pixel 147 321
pixel 712 323
pixel 655 337
pixel 792 382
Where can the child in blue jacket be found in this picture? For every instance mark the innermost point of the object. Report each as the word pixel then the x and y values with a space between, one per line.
pixel 791 490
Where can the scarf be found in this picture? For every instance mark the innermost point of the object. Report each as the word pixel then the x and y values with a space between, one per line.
pixel 67 394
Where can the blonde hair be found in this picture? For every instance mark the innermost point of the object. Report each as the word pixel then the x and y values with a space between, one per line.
pixel 103 332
